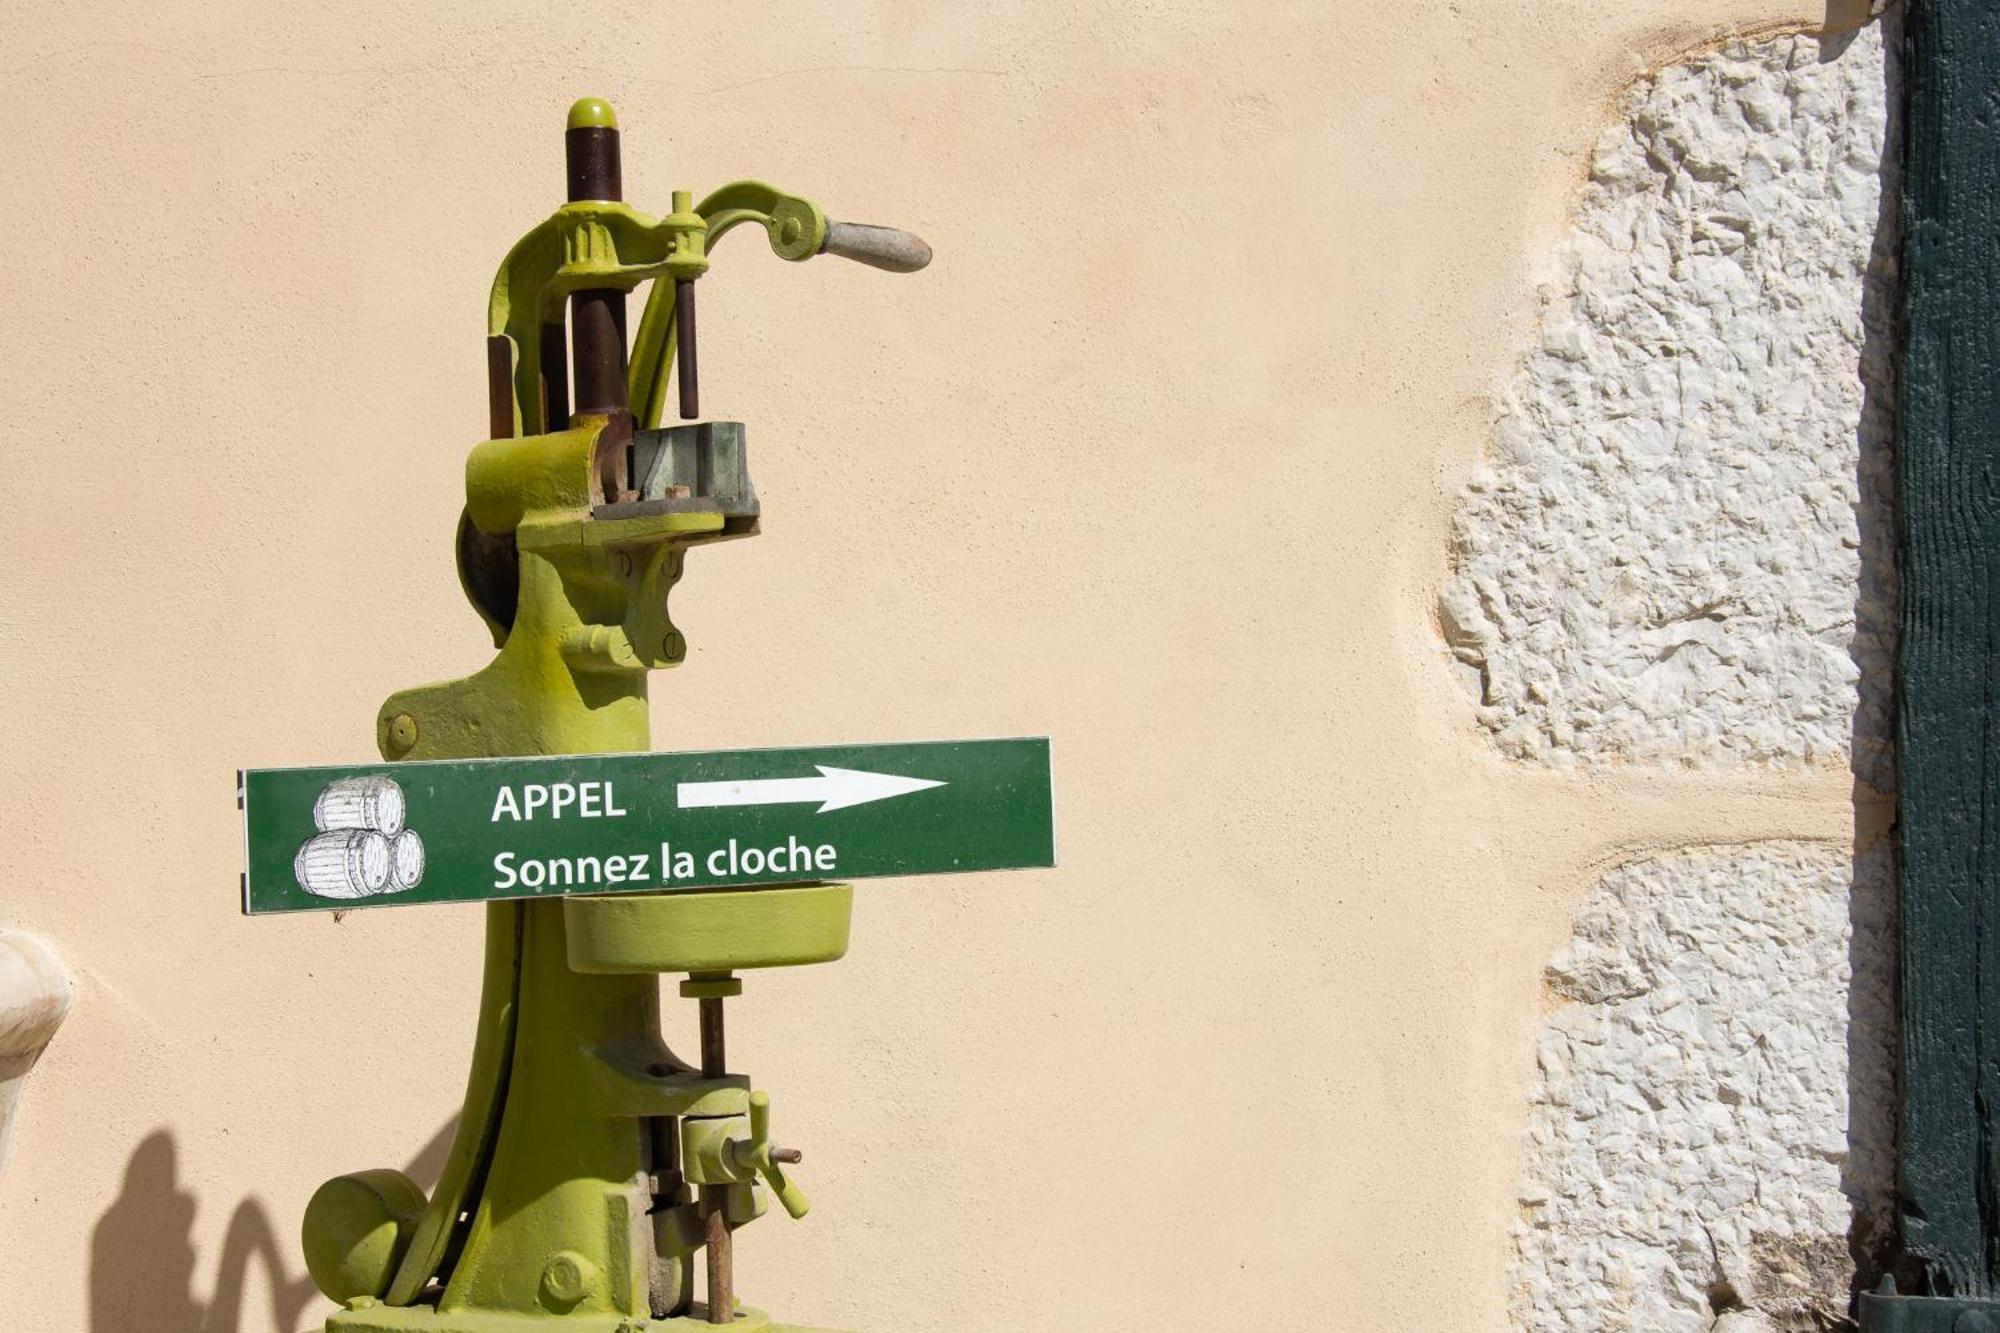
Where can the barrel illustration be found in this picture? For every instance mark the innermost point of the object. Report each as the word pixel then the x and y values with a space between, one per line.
pixel 406 861
pixel 343 863
pixel 360 803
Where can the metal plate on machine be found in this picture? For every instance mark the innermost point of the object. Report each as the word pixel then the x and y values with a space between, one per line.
pixel 698 467
pixel 462 830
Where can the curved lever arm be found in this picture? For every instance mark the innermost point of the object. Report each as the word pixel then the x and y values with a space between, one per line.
pixel 794 226
pixel 797 230
pixel 608 244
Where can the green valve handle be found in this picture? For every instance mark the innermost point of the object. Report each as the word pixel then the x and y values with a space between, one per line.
pixel 757 1156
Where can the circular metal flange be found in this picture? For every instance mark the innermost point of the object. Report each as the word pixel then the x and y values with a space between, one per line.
pixel 356 1230
pixel 709 930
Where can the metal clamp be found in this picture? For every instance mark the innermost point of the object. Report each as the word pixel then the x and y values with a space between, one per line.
pixel 730 1150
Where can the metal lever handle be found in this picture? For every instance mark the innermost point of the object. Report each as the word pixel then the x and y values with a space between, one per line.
pixel 758 1156
pixel 886 248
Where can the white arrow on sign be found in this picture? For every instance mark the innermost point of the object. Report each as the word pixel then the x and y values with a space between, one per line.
pixel 834 789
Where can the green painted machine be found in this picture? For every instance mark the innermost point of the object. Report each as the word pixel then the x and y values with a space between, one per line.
pixel 593 1171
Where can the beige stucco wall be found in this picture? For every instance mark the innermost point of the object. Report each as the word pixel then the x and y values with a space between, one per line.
pixel 1160 458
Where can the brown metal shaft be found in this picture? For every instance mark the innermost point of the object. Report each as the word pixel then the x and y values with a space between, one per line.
pixel 597 343
pixel 597 316
pixel 555 377
pixel 591 155
pixel 714 1060
pixel 721 1265
pixel 715 1198
pixel 499 388
pixel 689 375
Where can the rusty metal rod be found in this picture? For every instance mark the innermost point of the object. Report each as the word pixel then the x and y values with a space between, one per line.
pixel 714 1060
pixel 721 1265
pixel 684 336
pixel 715 1198
pixel 499 388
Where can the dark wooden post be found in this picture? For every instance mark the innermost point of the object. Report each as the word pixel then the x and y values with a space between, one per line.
pixel 1948 491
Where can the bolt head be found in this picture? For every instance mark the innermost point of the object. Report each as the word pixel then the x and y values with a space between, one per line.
pixel 566 1277
pixel 402 733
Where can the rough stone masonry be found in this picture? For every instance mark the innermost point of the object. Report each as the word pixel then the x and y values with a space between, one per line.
pixel 1680 553
pixel 1662 560
pixel 1690 1160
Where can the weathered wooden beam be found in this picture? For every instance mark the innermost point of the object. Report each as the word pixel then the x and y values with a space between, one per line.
pixel 1948 490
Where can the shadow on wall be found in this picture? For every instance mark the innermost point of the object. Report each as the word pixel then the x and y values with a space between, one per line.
pixel 1843 22
pixel 143 1258
pixel 1869 1170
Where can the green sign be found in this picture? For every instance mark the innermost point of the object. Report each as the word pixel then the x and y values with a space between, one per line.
pixel 461 830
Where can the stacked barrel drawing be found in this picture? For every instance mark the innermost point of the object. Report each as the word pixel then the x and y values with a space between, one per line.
pixel 362 848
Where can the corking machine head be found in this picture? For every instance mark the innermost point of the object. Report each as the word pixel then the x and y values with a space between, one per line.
pixel 578 515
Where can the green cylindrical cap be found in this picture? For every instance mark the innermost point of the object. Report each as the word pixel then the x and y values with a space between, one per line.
pixel 592 113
